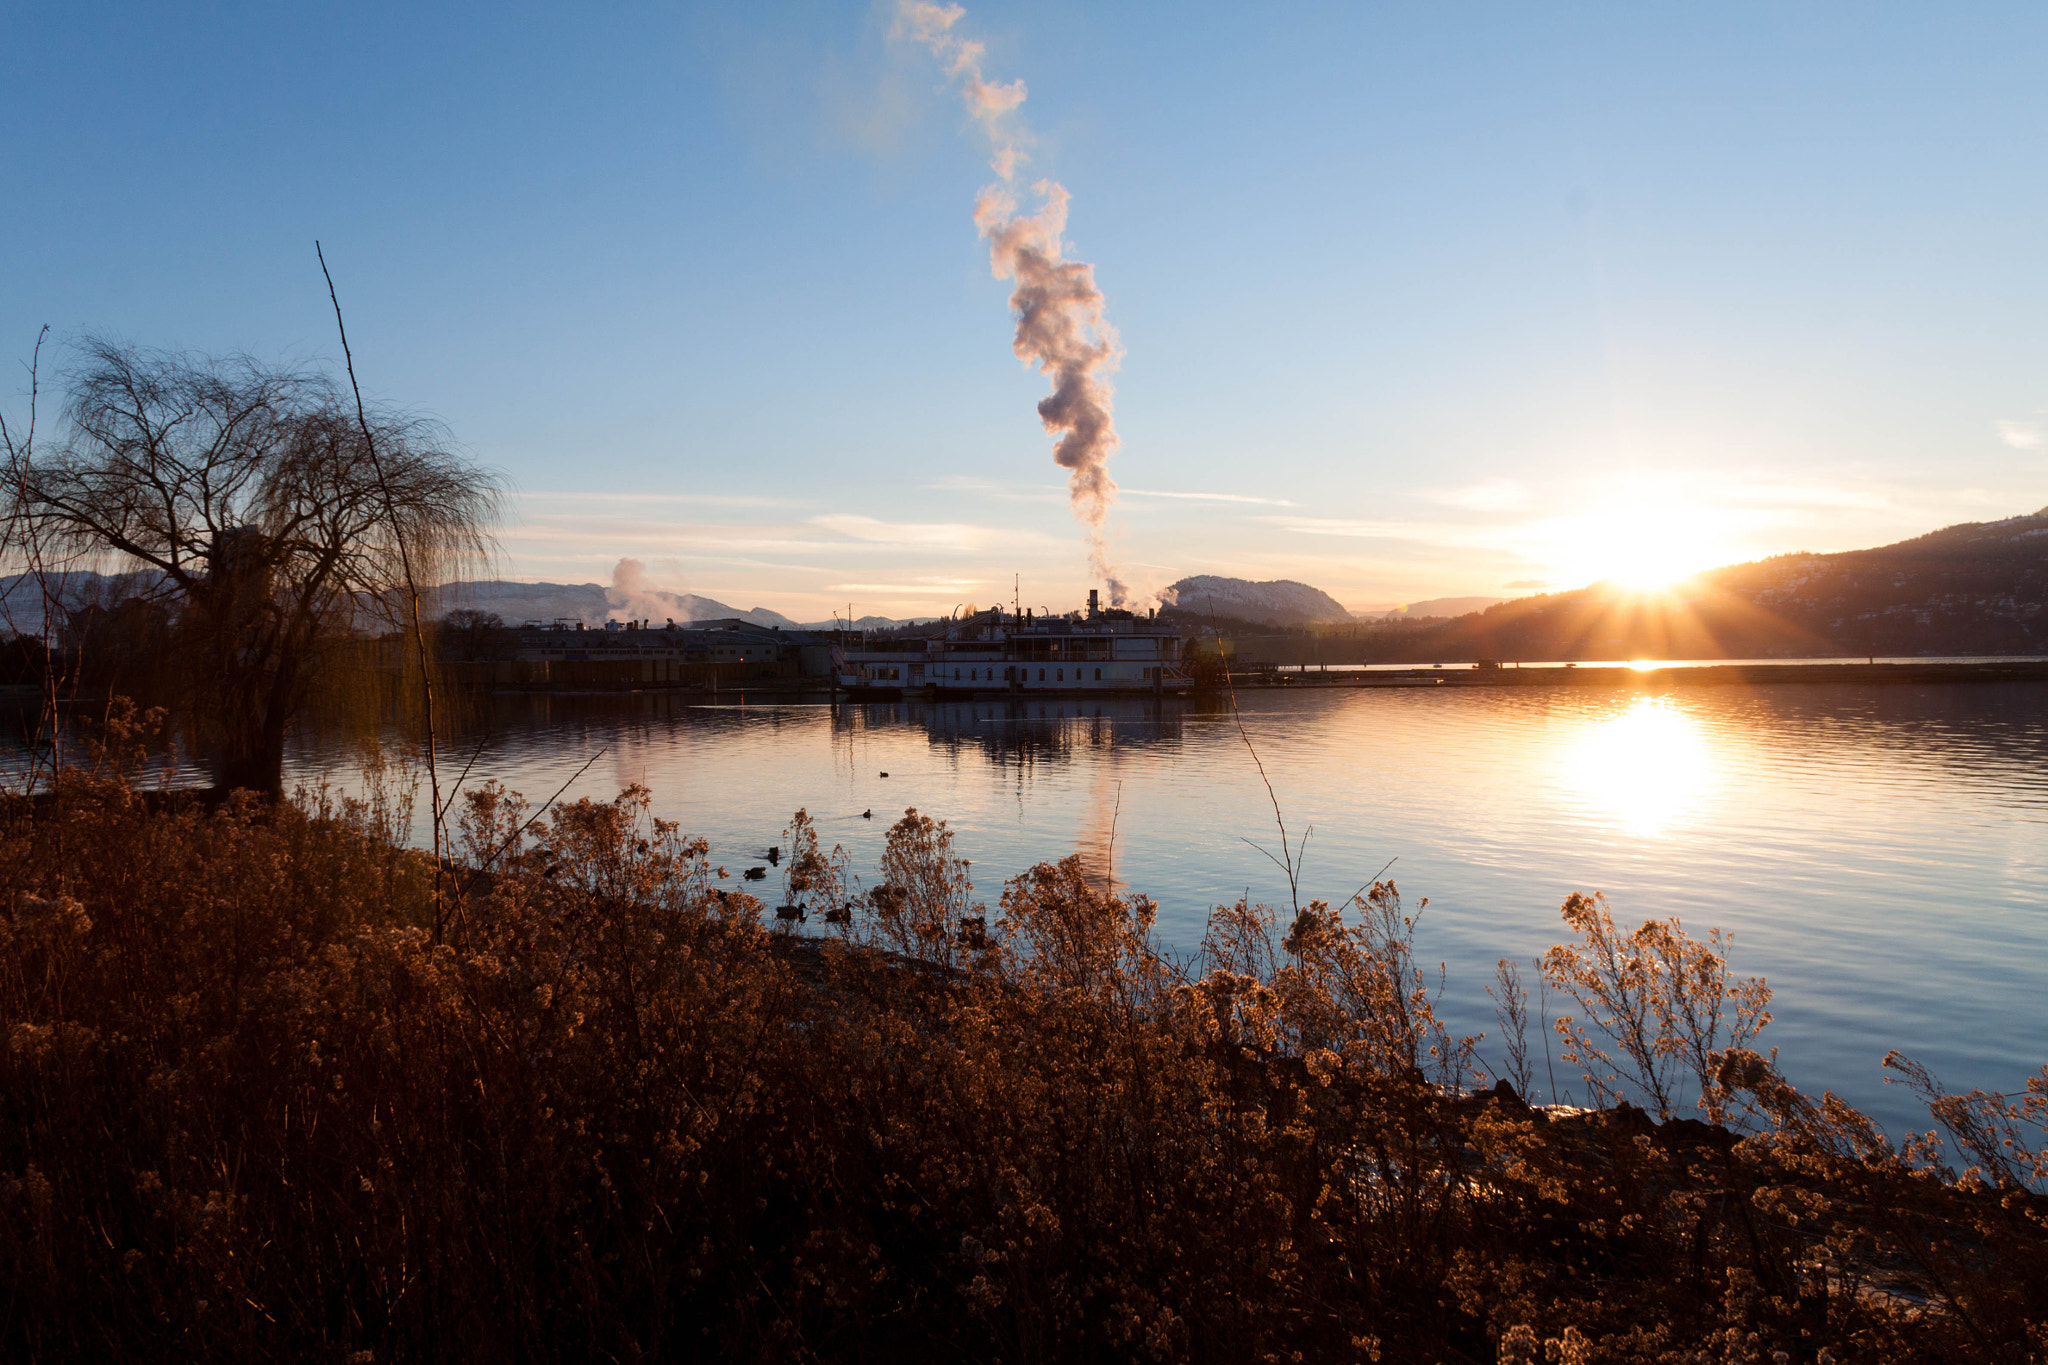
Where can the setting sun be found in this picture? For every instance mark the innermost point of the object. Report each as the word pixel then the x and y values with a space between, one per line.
pixel 1646 545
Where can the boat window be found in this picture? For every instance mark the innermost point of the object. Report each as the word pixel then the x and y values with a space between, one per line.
pixel 1041 675
pixel 1062 676
pixel 1098 675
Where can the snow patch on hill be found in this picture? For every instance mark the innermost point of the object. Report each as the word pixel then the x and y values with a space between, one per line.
pixel 595 603
pixel 1280 602
pixel 590 603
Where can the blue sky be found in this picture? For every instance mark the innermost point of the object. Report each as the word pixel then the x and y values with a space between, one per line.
pixel 1415 300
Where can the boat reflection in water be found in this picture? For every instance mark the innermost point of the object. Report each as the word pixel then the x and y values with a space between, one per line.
pixel 1018 738
pixel 1080 746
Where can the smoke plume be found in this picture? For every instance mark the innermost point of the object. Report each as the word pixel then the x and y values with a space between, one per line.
pixel 1061 327
pixel 632 597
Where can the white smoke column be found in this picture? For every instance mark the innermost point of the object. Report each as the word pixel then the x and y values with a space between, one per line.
pixel 1060 323
pixel 631 595
pixel 989 103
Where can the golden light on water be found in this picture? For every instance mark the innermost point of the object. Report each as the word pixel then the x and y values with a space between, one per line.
pixel 1646 767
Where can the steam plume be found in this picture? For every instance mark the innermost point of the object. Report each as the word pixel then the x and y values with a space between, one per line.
pixel 632 596
pixel 1061 327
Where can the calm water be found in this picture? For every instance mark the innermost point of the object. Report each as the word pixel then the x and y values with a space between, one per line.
pixel 1880 852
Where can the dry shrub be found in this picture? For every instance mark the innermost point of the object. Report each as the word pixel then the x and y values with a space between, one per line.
pixel 265 1098
pixel 1664 1003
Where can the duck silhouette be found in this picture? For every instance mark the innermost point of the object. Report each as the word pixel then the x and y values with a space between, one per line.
pixel 868 814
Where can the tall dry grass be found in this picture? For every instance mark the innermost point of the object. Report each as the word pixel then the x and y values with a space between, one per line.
pixel 254 1110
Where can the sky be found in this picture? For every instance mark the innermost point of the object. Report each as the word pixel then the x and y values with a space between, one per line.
pixel 1413 301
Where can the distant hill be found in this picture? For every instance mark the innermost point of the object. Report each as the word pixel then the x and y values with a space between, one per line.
pixel 872 622
pixel 590 603
pixel 21 596
pixel 1977 588
pixel 1281 602
pixel 1435 606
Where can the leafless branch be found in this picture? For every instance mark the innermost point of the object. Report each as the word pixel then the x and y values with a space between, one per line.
pixel 412 587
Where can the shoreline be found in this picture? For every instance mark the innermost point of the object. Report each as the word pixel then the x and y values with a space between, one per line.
pixel 1658 675
pixel 1748 673
pixel 1804 672
pixel 1647 678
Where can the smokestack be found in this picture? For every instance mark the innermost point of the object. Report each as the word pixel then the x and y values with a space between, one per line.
pixel 1093 606
pixel 1061 326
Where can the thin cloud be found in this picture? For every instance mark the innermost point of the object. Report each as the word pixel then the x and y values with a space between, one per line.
pixel 1015 491
pixel 951 535
pixel 707 499
pixel 1009 490
pixel 2020 435
pixel 699 542
pixel 958 534
pixel 1264 502
pixel 913 589
pixel 1492 495
pixel 1208 497
pixel 1361 529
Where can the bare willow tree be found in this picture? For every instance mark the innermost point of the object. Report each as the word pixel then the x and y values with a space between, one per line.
pixel 265 529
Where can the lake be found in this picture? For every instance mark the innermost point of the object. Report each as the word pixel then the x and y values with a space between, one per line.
pixel 1880 852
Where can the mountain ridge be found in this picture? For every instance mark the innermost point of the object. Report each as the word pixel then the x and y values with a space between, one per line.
pixel 1970 588
pixel 588 603
pixel 1431 606
pixel 1280 601
pixel 1973 587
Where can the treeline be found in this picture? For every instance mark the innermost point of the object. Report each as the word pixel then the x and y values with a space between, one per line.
pixel 276 1086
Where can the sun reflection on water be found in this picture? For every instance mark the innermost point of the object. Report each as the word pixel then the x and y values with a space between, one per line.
pixel 1646 767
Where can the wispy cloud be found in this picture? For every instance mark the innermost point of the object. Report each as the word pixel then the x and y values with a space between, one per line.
pixel 2020 435
pixel 1012 490
pixel 557 498
pixel 1208 497
pixel 1362 528
pixel 951 535
pixel 1008 490
pixel 1491 495
pixel 912 589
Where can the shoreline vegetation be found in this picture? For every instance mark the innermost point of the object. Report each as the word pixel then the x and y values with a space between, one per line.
pixel 276 1085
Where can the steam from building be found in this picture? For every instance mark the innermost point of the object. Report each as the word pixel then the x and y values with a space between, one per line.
pixel 632 597
pixel 1061 325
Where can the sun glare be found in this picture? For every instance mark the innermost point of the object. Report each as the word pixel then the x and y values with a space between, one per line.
pixel 1649 549
pixel 1646 545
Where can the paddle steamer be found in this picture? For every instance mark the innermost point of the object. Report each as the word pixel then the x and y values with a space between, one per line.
pixel 1093 652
